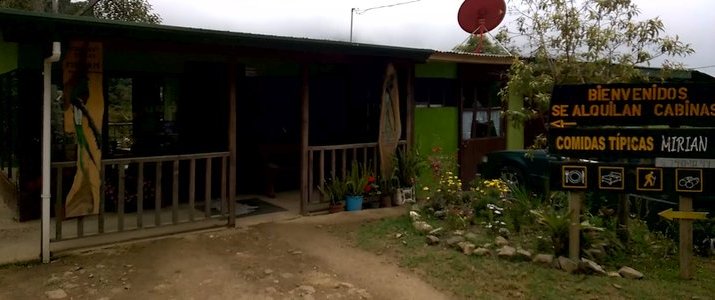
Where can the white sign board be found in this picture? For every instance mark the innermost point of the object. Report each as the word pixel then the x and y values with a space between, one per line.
pixel 695 163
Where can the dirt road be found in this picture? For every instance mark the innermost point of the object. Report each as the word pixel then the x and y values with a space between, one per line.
pixel 297 259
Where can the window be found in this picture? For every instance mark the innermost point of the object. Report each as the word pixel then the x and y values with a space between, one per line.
pixel 120 115
pixel 481 114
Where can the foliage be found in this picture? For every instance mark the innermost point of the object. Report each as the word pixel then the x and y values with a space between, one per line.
pixel 464 276
pixel 488 46
pixel 520 201
pixel 389 184
pixel 577 42
pixel 126 10
pixel 408 166
pixel 554 219
pixel 333 190
pixel 356 180
pixel 122 10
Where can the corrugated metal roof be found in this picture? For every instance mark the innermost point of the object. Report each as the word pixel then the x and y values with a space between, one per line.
pixel 472 58
pixel 45 27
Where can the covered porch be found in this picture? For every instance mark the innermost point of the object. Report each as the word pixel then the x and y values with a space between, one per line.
pixel 192 120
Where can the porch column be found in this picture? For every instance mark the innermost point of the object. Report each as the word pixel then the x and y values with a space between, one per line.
pixel 305 190
pixel 232 143
pixel 410 106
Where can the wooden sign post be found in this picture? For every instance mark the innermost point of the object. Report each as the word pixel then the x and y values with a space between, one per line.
pixel 686 239
pixel 576 199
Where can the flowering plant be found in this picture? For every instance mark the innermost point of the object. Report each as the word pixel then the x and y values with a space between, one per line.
pixel 372 188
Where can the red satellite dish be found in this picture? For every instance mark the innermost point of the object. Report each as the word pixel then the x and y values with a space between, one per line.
pixel 480 16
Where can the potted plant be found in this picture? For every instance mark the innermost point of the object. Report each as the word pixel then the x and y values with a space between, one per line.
pixel 408 165
pixel 355 183
pixel 388 186
pixel 334 191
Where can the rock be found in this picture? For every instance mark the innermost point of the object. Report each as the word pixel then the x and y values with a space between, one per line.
pixel 506 252
pixel 362 293
pixel 617 286
pixel 69 286
pixel 56 294
pixel 268 271
pixel 501 241
pixel 594 253
pixel 440 214
pixel 305 290
pixel 544 259
pixel 467 247
pixel 53 279
pixel 415 216
pixel 567 265
pixel 422 226
pixel 523 254
pixel 504 232
pixel 432 240
pixel 590 266
pixel 436 231
pixel 458 232
pixel 346 285
pixel 613 274
pixel 271 290
pixel 398 235
pixel 482 252
pixel 630 273
pixel 471 237
pixel 161 287
pixel 454 240
pixel 488 245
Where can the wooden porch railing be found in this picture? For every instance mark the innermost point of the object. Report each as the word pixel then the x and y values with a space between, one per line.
pixel 333 161
pixel 130 185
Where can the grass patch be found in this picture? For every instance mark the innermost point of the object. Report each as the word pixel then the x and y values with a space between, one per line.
pixel 471 277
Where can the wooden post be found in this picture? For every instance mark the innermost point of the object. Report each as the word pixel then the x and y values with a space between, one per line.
pixel 686 240
pixel 232 78
pixel 623 212
pixel 575 201
pixel 410 106
pixel 304 131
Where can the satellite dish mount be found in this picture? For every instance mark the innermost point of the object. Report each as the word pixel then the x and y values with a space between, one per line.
pixel 480 16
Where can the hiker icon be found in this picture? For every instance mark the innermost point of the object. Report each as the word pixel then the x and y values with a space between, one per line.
pixel 649 179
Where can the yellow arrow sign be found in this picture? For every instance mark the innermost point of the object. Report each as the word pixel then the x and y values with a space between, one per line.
pixel 562 124
pixel 687 215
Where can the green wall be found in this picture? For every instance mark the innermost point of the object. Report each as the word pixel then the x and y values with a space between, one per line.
pixel 435 126
pixel 8 56
pixel 515 131
pixel 436 70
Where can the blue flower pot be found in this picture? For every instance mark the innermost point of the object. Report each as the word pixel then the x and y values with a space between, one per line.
pixel 353 203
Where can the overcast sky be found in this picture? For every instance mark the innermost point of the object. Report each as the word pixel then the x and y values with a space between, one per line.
pixel 428 24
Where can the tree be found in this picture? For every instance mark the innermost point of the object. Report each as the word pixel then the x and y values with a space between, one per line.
pixel 580 41
pixel 123 10
pixel 472 43
pixel 127 10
